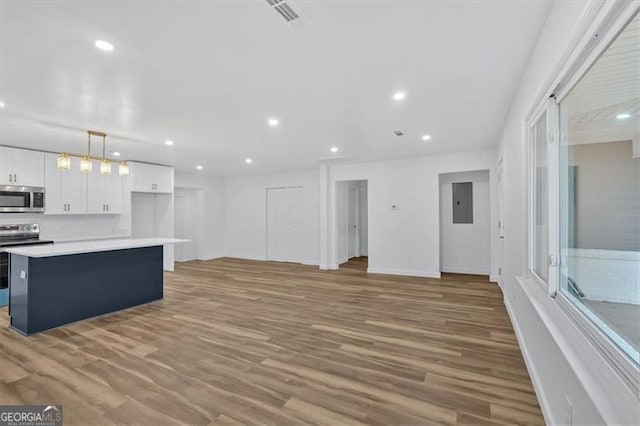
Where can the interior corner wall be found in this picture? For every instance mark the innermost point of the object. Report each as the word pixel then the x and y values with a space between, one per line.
pixel 213 201
pixel 548 338
pixel 246 215
pixel 465 248
pixel 406 240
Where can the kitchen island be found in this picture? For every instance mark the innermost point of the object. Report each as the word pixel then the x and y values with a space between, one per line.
pixel 54 285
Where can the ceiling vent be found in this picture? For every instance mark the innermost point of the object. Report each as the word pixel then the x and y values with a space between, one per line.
pixel 398 133
pixel 289 12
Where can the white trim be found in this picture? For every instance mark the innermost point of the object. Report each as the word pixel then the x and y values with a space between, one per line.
pixel 404 272
pixel 495 279
pixel 543 399
pixel 246 257
pixel 616 402
pixel 470 271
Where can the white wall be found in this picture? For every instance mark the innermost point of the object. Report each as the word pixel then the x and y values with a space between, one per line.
pixel 466 247
pixel 560 360
pixel 211 241
pixel 188 216
pixel 403 241
pixel 246 218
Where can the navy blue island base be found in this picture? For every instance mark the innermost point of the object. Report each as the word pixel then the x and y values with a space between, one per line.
pixel 48 292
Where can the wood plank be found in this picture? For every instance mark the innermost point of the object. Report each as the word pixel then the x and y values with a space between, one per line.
pixel 246 342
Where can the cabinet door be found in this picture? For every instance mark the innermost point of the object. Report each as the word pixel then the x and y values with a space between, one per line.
pixel 163 179
pixel 143 178
pixel 54 202
pixel 95 191
pixel 6 165
pixel 28 167
pixel 74 188
pixel 112 187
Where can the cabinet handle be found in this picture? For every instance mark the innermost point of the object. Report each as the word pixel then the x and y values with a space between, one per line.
pixel 15 177
pixel 10 178
pixel 69 207
pixel 107 207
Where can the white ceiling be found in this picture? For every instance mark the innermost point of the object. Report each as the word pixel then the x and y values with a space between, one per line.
pixel 208 75
pixel 609 88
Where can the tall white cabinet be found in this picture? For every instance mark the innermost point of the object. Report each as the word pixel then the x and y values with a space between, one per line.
pixel 21 167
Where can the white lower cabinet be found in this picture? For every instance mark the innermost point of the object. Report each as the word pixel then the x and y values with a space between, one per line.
pixel 65 190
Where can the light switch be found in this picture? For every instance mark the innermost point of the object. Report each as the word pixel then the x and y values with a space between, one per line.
pixel 23 274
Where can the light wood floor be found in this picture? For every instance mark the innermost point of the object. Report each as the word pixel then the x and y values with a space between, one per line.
pixel 239 341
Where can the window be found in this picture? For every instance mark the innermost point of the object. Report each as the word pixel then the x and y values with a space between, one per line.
pixel 539 235
pixel 599 194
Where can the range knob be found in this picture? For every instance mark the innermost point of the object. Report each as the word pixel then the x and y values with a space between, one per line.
pixel 28 228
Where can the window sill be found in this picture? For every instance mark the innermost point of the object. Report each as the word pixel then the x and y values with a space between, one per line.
pixel 612 388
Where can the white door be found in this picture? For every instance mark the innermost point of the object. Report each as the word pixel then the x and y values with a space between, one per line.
pixel 284 224
pixel 353 195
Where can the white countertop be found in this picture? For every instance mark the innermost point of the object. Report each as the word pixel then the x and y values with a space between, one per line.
pixel 80 247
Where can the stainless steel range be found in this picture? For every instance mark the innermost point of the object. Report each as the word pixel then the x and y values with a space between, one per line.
pixel 12 236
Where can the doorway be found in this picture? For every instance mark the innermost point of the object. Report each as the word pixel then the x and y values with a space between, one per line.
pixel 188 222
pixel 352 224
pixel 465 215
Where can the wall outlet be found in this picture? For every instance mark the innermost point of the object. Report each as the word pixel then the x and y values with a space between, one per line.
pixel 395 206
pixel 568 411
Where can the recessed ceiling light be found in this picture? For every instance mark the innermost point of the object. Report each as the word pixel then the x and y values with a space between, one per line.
pixel 398 96
pixel 623 116
pixel 169 143
pixel 1 104
pixel 334 149
pixel 273 122
pixel 248 160
pixel 104 45
pixel 426 137
pixel 199 167
pixel 116 154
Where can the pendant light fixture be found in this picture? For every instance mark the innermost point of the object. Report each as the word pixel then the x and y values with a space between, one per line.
pixel 64 162
pixel 86 161
pixel 105 165
pixel 86 165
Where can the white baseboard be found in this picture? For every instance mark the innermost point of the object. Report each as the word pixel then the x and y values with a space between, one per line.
pixel 341 261
pixel 405 272
pixel 494 278
pixel 470 271
pixel 246 257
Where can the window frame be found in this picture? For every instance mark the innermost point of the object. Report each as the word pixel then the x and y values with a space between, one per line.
pixel 601 25
pixel 549 107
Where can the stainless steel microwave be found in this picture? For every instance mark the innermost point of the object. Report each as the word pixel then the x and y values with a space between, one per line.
pixel 21 199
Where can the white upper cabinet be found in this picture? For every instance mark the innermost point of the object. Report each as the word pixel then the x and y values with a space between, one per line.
pixel 65 190
pixel 21 167
pixel 104 192
pixel 151 178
